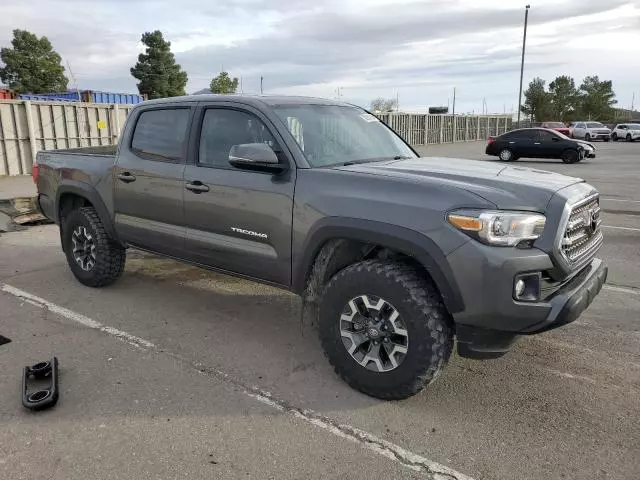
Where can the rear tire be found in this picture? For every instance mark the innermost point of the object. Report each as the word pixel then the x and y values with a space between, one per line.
pixel 506 155
pixel 570 156
pixel 419 314
pixel 94 259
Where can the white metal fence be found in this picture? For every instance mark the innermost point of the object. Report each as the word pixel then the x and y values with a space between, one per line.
pixel 27 127
pixel 425 129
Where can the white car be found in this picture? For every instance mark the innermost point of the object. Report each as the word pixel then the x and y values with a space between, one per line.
pixel 626 131
pixel 590 131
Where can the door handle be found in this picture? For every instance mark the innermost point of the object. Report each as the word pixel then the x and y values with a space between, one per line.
pixel 196 187
pixel 536 143
pixel 126 177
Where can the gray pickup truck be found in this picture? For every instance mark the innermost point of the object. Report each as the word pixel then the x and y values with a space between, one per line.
pixel 397 255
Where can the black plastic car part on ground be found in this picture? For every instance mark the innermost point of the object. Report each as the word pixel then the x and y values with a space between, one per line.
pixel 538 143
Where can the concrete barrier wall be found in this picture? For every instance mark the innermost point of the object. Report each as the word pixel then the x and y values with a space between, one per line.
pixel 27 127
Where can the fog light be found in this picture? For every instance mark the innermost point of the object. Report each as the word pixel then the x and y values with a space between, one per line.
pixel 526 287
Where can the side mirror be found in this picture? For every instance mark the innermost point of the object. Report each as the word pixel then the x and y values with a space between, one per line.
pixel 255 156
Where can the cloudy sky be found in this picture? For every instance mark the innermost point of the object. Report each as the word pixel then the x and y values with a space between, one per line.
pixel 418 50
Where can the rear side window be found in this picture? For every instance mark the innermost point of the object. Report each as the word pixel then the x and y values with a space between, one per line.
pixel 521 135
pixel 161 134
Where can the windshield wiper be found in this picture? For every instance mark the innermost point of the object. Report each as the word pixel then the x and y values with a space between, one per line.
pixel 371 160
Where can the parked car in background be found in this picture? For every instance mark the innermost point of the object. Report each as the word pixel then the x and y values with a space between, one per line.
pixel 626 131
pixel 538 143
pixel 590 131
pixel 557 126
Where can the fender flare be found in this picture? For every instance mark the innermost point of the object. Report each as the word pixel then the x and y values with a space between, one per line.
pixel 400 239
pixel 87 191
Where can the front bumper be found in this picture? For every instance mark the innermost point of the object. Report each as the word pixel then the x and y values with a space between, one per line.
pixel 492 318
pixel 600 136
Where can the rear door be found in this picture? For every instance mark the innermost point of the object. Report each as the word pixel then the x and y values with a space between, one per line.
pixel 522 142
pixel 148 195
pixel 237 220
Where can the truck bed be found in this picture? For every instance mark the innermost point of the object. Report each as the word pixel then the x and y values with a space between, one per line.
pixel 87 165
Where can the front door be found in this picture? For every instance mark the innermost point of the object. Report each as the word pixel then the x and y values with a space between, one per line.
pixel 237 220
pixel 148 178
pixel 546 146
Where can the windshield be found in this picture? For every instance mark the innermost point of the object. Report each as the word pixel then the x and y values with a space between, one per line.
pixel 332 135
pixel 555 124
pixel 594 125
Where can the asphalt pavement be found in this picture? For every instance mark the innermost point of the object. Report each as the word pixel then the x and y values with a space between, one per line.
pixel 176 372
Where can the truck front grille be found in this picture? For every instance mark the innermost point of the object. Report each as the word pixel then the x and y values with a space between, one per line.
pixel 583 235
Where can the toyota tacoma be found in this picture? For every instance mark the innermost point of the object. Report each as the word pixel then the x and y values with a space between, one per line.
pixel 398 256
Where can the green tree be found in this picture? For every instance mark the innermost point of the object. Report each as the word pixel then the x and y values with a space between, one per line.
pixel 32 65
pixel 224 84
pixel 537 101
pixel 564 97
pixel 597 98
pixel 157 71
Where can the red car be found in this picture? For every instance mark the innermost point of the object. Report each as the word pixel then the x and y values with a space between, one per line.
pixel 558 127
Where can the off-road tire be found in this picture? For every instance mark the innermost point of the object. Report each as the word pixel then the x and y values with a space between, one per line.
pixel 110 257
pixel 570 156
pixel 427 321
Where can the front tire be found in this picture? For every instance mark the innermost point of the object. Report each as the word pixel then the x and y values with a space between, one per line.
pixel 93 257
pixel 614 137
pixel 385 329
pixel 587 137
pixel 570 156
pixel 629 139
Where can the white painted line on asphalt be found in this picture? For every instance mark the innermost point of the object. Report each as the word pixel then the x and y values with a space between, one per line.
pixel 622 228
pixel 615 288
pixel 77 317
pixel 376 444
pixel 619 200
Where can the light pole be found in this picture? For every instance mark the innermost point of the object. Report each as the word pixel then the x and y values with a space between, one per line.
pixel 524 42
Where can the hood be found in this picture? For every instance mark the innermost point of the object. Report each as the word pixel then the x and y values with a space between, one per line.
pixel 585 144
pixel 507 187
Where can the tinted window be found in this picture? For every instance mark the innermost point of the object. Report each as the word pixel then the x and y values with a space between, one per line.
pixel 595 125
pixel 546 136
pixel 222 129
pixel 161 134
pixel 525 135
pixel 622 127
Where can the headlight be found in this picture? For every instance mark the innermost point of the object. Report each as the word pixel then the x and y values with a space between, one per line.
pixel 499 228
